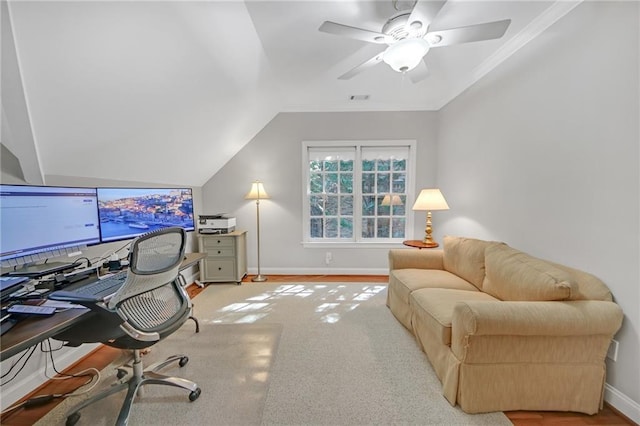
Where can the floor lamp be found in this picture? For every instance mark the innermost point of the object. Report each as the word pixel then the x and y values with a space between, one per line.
pixel 257 193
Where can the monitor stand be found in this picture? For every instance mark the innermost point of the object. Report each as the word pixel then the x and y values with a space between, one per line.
pixel 39 270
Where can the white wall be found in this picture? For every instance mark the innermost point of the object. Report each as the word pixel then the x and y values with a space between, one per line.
pixel 543 154
pixel 275 156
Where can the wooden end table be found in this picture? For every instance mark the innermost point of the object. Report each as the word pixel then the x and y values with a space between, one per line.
pixel 419 244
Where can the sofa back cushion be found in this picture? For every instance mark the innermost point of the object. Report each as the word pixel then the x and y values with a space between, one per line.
pixel 514 275
pixel 464 257
pixel 588 286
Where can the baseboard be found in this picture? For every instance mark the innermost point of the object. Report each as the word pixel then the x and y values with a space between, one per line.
pixel 320 271
pixel 33 374
pixel 622 403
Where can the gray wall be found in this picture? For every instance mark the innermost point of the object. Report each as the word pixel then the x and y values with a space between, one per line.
pixel 275 157
pixel 543 154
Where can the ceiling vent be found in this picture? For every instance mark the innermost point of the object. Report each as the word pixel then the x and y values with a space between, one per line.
pixel 359 97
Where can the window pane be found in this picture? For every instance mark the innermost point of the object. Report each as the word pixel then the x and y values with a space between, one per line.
pixel 331 183
pixel 315 183
pixel 346 228
pixel 331 166
pixel 399 165
pixel 346 183
pixel 316 228
pixel 346 205
pixel 331 228
pixel 383 227
pixel 368 165
pixel 399 180
pixel 346 165
pixel 315 166
pixel 368 183
pixel 384 165
pixel 397 227
pixel 383 210
pixel 368 205
pixel 331 206
pixel 316 205
pixel 383 183
pixel 368 227
pixel 400 209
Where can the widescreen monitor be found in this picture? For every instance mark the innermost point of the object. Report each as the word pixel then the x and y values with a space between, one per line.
pixel 38 222
pixel 128 212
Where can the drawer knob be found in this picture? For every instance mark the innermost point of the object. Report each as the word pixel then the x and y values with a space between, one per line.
pixel 219 241
pixel 219 269
pixel 219 252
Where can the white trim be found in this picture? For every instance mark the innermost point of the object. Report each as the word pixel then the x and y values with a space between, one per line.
pixel 320 271
pixel 351 245
pixel 622 403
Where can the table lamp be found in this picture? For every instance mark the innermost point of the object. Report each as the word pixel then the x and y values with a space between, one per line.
pixel 257 193
pixel 430 199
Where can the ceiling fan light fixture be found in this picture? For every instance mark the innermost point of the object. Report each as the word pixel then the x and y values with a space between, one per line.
pixel 406 54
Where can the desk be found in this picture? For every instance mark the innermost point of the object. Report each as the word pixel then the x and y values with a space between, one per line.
pixel 31 331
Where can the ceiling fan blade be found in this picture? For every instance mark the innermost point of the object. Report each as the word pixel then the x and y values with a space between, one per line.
pixel 487 31
pixel 353 32
pixel 423 13
pixel 419 73
pixel 362 67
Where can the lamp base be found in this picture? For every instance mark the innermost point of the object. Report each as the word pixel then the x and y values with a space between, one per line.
pixel 259 278
pixel 429 244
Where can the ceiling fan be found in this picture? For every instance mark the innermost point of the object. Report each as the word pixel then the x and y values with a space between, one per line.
pixel 408 38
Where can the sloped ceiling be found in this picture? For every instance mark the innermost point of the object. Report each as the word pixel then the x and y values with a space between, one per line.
pixel 167 92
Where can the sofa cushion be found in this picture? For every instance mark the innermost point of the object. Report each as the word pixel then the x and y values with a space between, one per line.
pixel 465 258
pixel 588 286
pixel 434 308
pixel 404 281
pixel 514 275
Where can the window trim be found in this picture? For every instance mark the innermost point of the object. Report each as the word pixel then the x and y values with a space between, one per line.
pixel 307 242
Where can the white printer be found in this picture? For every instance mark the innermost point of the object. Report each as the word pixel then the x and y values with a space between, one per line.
pixel 216 224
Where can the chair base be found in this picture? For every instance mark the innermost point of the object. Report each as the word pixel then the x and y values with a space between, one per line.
pixel 134 384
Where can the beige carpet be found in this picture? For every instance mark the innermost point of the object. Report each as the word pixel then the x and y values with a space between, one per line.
pixel 341 358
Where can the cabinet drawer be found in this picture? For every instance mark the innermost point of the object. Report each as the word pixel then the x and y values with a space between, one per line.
pixel 220 269
pixel 213 243
pixel 221 252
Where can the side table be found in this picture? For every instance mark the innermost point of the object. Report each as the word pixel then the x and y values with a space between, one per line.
pixel 419 244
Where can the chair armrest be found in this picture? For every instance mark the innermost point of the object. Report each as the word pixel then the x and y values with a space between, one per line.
pixel 416 259
pixel 549 328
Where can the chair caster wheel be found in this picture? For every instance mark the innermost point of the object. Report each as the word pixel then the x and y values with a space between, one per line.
pixel 183 361
pixel 121 373
pixel 72 419
pixel 195 394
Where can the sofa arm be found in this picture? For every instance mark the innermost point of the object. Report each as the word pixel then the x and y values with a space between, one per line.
pixel 415 259
pixel 533 326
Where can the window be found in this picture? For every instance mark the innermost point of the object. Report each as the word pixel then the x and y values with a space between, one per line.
pixel 356 192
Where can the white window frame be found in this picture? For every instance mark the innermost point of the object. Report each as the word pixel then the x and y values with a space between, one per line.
pixel 357 241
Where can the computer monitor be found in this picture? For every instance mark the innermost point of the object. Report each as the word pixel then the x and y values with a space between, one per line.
pixel 41 222
pixel 128 212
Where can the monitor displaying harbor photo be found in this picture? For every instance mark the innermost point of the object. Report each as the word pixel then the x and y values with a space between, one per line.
pixel 128 212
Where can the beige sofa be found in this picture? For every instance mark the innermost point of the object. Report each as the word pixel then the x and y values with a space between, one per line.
pixel 504 330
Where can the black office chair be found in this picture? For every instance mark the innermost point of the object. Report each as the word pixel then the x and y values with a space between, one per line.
pixel 150 305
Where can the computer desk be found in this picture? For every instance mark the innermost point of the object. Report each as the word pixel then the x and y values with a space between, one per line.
pixel 33 330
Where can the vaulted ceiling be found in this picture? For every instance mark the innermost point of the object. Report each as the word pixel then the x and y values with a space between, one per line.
pixel 122 89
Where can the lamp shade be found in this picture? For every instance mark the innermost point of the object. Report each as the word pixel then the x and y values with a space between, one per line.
pixel 257 192
pixel 406 54
pixel 430 199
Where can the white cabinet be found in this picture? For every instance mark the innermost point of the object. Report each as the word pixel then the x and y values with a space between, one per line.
pixel 226 259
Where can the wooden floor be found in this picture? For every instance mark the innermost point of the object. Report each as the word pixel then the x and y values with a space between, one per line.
pixel 104 355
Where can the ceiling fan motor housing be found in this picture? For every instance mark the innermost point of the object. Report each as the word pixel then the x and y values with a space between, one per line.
pixel 397 28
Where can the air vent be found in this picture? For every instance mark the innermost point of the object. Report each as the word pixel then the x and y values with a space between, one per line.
pixel 359 97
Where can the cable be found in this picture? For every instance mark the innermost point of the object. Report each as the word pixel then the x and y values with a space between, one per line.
pixel 28 353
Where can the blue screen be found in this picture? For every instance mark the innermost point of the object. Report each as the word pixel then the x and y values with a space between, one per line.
pixel 128 212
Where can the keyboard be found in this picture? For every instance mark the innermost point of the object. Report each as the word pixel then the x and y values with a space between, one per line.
pixel 97 291
pixel 101 288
